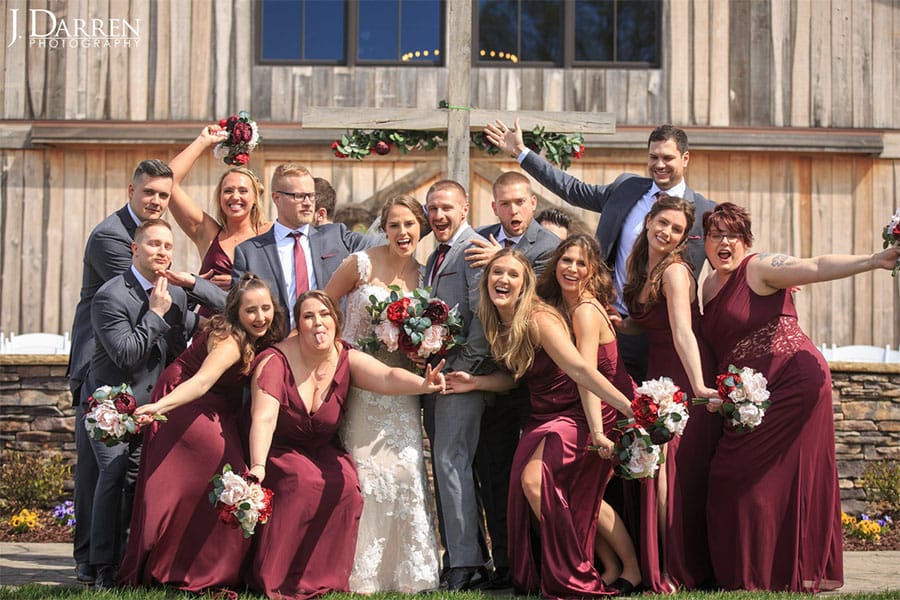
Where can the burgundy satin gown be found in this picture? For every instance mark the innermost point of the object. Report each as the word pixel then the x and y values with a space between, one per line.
pixel 775 511
pixel 686 555
pixel 559 561
pixel 307 547
pixel 218 261
pixel 176 537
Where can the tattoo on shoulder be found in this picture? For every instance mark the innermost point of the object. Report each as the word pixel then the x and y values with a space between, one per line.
pixel 779 260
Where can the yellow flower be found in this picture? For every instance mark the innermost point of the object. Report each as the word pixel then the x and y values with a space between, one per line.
pixel 25 520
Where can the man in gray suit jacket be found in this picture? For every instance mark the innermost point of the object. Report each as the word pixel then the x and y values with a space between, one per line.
pixel 453 421
pixel 293 248
pixel 623 205
pixel 513 203
pixel 106 254
pixel 141 324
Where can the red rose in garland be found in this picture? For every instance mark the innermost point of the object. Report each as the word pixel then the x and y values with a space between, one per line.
pixel 396 311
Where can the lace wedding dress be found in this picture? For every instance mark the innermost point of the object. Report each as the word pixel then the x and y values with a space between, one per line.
pixel 397 547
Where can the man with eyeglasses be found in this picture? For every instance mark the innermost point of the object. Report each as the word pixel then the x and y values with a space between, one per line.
pixel 294 256
pixel 623 205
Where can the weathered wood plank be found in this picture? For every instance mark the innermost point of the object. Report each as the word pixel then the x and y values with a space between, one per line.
pixel 161 19
pixel 800 64
pixel 739 68
pixel 863 243
pixel 720 75
pixel 75 232
pixel 183 27
pixel 554 90
pixel 841 63
pixel 36 71
pixel 861 64
pixel 119 77
pixel 780 77
pixel 882 63
pixel 760 199
pixel 800 193
pixel 700 65
pixel 139 61
pixel 680 72
pixel 385 86
pixel 15 93
pixel 637 96
pixel 201 58
pixel 221 83
pixel 821 330
pixel 98 90
pixel 515 84
pixel 459 89
pixel 820 66
pixel 241 75
pixel 840 199
pixel 33 259
pixel 56 246
pixel 14 240
pixel 884 203
pixel 761 82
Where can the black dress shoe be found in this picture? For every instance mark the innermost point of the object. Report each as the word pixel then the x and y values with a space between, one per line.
pixel 625 587
pixel 499 579
pixel 458 578
pixel 85 573
pixel 106 577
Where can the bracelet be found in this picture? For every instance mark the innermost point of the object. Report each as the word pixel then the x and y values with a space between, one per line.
pixel 258 465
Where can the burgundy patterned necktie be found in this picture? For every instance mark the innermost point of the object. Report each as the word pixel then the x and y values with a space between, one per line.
pixel 508 243
pixel 439 260
pixel 301 275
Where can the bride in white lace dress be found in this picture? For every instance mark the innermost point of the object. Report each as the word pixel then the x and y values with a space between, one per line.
pixel 397 548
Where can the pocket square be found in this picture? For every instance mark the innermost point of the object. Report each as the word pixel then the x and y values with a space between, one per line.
pixel 446 274
pixel 327 256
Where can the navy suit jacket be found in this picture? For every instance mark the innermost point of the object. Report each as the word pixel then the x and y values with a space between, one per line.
pixel 132 344
pixel 537 243
pixel 614 202
pixel 329 244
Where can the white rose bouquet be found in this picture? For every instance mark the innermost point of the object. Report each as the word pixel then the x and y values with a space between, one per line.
pixel 241 501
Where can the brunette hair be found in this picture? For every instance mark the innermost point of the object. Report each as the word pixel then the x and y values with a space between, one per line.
pixel 228 322
pixel 152 168
pixel 512 344
pixel 409 202
pixel 329 303
pixel 729 217
pixel 511 178
pixel 447 184
pixel 598 283
pixel 637 264
pixel 669 132
pixel 256 218
pixel 325 196
pixel 145 225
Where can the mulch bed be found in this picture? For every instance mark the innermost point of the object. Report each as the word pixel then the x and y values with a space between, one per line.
pixel 50 532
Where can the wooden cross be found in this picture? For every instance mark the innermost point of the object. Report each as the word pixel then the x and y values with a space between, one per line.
pixel 458 120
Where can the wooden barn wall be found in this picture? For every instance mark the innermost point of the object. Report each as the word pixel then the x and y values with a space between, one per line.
pixel 50 199
pixel 765 63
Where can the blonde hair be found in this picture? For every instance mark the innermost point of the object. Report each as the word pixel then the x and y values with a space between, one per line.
pixel 256 219
pixel 513 344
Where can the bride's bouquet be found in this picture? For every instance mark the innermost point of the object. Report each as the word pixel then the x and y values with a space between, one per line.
pixel 418 326
pixel 661 408
pixel 110 416
pixel 891 237
pixel 636 454
pixel 241 501
pixel 241 138
pixel 744 395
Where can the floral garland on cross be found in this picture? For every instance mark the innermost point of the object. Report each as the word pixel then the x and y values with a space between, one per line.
pixel 557 148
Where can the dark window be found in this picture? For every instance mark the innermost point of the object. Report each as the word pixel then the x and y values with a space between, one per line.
pixel 351 31
pixel 568 33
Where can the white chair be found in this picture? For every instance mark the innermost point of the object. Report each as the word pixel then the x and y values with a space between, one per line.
pixel 36 343
pixel 892 356
pixel 859 354
pixel 827 352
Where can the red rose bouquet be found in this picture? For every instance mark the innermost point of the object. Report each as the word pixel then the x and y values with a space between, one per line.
pixel 744 397
pixel 661 408
pixel 241 137
pixel 418 326
pixel 110 416
pixel 636 454
pixel 891 237
pixel 241 501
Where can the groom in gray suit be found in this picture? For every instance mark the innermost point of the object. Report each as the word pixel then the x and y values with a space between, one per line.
pixel 293 256
pixel 453 421
pixel 623 205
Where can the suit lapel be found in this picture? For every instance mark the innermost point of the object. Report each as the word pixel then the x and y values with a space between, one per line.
pixel 270 250
pixel 126 220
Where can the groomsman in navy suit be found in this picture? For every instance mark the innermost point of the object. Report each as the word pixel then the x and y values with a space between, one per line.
pixel 513 203
pixel 294 256
pixel 141 324
pixel 106 254
pixel 623 205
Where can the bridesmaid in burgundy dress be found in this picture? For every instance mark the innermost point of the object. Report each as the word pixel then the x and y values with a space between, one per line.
pixel 661 296
pixel 556 483
pixel 238 214
pixel 774 504
pixel 176 538
pixel 299 394
pixel 578 284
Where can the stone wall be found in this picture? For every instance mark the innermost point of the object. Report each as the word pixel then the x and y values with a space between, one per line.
pixel 36 414
pixel 866 422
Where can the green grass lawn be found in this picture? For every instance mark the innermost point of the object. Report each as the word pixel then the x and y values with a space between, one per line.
pixel 40 592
